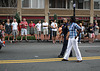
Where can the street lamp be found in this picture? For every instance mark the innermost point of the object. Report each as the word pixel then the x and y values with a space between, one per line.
pixel 74 5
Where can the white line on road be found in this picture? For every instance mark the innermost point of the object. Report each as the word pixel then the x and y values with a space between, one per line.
pixel 89 46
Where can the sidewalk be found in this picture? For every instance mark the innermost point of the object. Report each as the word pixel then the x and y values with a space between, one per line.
pixel 42 38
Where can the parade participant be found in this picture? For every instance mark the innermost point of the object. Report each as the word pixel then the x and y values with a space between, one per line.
pixel 73 41
pixel 65 31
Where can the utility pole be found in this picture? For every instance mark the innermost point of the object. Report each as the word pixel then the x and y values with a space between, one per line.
pixel 74 5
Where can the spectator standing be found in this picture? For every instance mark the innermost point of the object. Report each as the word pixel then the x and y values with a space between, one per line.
pixel 0 31
pixel 32 25
pixel 38 27
pixel 54 30
pixel 3 30
pixel 91 33
pixel 82 33
pixel 45 29
pixel 61 35
pixel 24 26
pixel 14 29
pixel 96 30
pixel 8 28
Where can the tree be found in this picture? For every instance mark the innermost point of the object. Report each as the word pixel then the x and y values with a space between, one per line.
pixel 55 17
pixel 17 17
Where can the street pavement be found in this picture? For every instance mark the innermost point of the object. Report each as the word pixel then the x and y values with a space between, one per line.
pixel 42 56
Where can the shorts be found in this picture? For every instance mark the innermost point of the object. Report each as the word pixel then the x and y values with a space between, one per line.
pixel 91 35
pixel 14 32
pixel 54 33
pixel 62 34
pixel 96 33
pixel 39 32
pixel 23 31
pixel 45 31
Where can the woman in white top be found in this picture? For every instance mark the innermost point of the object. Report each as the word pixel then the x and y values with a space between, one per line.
pixel 38 27
pixel 54 30
pixel 96 30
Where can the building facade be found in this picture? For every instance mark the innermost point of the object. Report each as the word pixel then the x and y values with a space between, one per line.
pixel 87 10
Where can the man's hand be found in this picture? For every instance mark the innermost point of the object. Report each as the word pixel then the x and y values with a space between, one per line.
pixel 66 38
pixel 75 37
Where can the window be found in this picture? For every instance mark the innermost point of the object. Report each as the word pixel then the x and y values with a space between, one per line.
pixel 96 4
pixel 33 3
pixel 57 3
pixel 8 3
pixel 80 4
pixel 25 3
pixel 86 4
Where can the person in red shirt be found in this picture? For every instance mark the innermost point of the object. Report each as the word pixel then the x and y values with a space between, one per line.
pixel 32 25
pixel 24 26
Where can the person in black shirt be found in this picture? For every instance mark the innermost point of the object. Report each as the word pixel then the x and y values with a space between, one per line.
pixel 91 33
pixel 65 30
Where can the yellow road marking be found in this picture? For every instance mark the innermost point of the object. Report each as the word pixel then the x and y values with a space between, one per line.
pixel 44 60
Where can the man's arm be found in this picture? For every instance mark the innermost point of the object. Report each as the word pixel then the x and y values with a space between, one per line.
pixel 67 33
pixel 26 24
pixel 67 36
pixel 79 28
pixel 78 33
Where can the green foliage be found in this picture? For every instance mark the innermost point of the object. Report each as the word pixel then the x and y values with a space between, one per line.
pixel 17 17
pixel 19 37
pixel 55 17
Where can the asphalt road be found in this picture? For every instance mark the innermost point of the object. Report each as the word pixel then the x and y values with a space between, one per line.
pixel 46 52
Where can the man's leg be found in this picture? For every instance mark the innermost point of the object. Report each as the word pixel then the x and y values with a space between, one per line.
pixel 44 33
pixel 47 34
pixel 77 51
pixel 54 36
pixel 13 33
pixel 22 33
pixel 25 37
pixel 8 36
pixel 63 49
pixel 21 37
pixel 16 35
pixel 25 34
pixel 39 34
pixel 44 37
pixel 69 47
